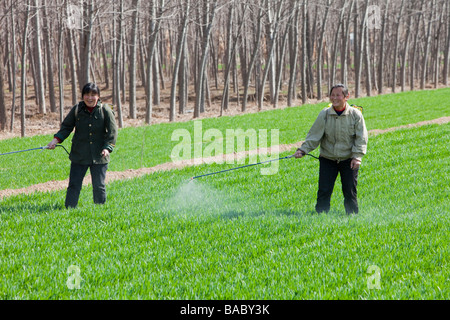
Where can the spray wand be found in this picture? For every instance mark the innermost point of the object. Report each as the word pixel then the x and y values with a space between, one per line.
pixel 248 165
pixel 39 148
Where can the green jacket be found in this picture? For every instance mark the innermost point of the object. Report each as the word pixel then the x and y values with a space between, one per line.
pixel 340 137
pixel 93 132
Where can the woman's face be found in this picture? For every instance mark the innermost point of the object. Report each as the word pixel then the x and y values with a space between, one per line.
pixel 90 99
pixel 338 99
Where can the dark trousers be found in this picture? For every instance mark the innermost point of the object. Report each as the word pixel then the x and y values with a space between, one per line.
pixel 328 172
pixel 77 173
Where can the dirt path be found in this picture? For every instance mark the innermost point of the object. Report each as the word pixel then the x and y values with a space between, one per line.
pixel 133 173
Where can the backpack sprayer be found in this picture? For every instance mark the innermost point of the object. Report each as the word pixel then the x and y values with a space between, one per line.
pixel 248 165
pixel 39 148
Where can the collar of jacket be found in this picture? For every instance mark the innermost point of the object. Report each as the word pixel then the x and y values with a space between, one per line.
pixel 332 112
pixel 84 106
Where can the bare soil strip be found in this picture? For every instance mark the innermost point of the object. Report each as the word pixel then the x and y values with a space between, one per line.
pixel 55 185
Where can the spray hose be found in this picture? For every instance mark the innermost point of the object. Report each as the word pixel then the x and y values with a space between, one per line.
pixel 60 145
pixel 249 165
pixel 39 148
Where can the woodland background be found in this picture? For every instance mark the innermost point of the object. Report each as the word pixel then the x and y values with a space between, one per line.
pixel 185 56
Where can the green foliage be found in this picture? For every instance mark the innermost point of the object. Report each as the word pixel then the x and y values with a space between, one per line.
pixel 243 235
pixel 151 145
pixel 391 110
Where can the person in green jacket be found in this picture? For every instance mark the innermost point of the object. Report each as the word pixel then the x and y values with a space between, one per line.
pixel 94 139
pixel 341 132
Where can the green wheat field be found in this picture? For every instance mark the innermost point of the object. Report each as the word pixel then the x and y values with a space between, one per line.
pixel 239 234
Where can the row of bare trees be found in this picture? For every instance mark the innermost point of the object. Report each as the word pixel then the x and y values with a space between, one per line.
pixel 261 50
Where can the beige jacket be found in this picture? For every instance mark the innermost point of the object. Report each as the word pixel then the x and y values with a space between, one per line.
pixel 340 137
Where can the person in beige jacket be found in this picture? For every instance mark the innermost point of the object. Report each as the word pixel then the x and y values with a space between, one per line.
pixel 341 132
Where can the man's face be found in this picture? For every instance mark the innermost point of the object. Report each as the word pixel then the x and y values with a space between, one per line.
pixel 91 99
pixel 337 98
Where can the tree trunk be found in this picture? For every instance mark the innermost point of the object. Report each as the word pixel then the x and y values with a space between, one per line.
pixel 427 47
pixel 61 67
pixel 251 65
pixel 105 60
pixel 228 56
pixel 24 71
pixel 178 61
pixel 358 64
pixel 157 78
pixel 117 66
pixel 405 51
pixel 310 36
pixel 279 69
pixel 335 46
pixel 447 49
pixel 38 60
pixel 161 84
pixel 73 70
pixel 382 50
pixel 345 46
pixel 114 50
pixel 270 58
pixel 2 97
pixel 48 45
pixel 209 15
pixel 184 81
pixel 123 63
pixel 214 62
pixel 133 59
pixel 304 25
pixel 7 57
pixel 14 67
pixel 414 49
pixel 86 42
pixel 267 68
pixel 33 70
pixel 243 50
pixel 293 55
pixel 154 29
pixel 396 44
pixel 437 48
pixel 367 63
pixel 142 55
pixel 319 63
